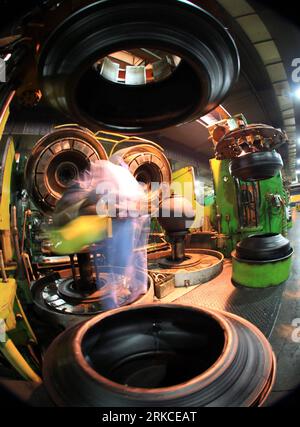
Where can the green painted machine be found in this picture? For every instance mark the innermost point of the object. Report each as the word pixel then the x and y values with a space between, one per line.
pixel 250 201
pixel 261 274
pixel 242 208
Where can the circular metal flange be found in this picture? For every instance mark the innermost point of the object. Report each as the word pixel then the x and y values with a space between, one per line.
pixel 206 264
pixel 67 290
pixel 146 163
pixel 60 296
pixel 57 162
pixel 54 298
pixel 254 136
pixel 190 260
pixel 149 166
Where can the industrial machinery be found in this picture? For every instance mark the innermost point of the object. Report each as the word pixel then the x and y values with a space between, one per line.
pixel 57 161
pixel 69 255
pixel 62 176
pixel 251 201
pixel 182 267
pixel 18 343
pixel 262 260
pixel 250 196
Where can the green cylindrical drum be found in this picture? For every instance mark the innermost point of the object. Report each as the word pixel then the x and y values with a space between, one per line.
pixel 261 273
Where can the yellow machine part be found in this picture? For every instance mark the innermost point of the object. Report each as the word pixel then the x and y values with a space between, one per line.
pixel 5 190
pixel 295 198
pixel 8 162
pixel 15 358
pixel 8 322
pixel 3 122
pixel 183 179
pixel 4 216
pixel 7 297
pixel 80 232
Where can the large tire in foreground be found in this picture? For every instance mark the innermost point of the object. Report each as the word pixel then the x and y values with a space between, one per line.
pixel 209 64
pixel 160 355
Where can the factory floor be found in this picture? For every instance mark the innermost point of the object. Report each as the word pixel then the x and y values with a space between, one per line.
pixel 272 310
pixel 286 350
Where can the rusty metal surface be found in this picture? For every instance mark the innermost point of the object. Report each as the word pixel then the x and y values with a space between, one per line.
pixel 205 264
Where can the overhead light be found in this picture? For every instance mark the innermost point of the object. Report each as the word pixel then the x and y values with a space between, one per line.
pixel 297 93
pixel 298 161
pixel 207 120
pixel 219 113
pixel 298 171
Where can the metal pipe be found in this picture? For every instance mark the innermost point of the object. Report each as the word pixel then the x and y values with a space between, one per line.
pixel 86 282
pixel 5 100
pixel 73 268
pixel 178 250
pixel 2 268
pixel 27 213
pixel 15 234
pixel 15 358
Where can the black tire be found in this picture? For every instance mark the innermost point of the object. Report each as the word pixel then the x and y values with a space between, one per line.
pixel 209 66
pixel 262 247
pixel 256 166
pixel 160 355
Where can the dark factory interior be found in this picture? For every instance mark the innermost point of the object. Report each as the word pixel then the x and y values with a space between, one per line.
pixel 149 204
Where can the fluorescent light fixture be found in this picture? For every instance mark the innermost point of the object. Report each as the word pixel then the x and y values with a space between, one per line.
pixel 298 171
pixel 207 120
pixel 219 113
pixel 298 161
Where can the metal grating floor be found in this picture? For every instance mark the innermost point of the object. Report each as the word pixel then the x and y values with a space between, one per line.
pixel 259 306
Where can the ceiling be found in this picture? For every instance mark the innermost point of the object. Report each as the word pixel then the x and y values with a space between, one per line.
pixel 267 44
